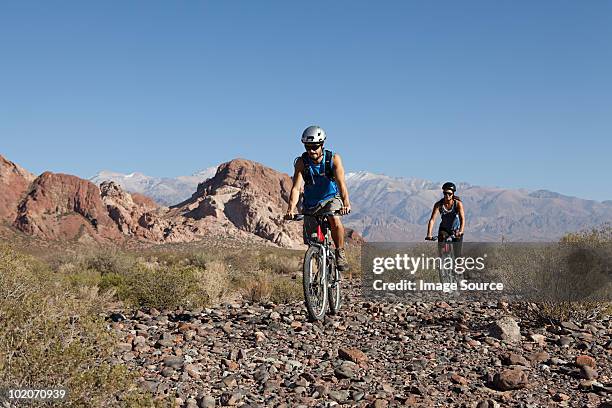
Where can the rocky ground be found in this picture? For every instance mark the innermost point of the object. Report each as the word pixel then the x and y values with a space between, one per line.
pixel 374 354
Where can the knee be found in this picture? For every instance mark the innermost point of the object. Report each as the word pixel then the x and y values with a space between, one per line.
pixel 335 222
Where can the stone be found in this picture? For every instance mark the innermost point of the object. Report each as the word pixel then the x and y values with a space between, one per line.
pixel 584 360
pixel 516 359
pixel 588 373
pixel 506 329
pixel 206 402
pixel 123 347
pixel 175 362
pixel 352 354
pixel 510 380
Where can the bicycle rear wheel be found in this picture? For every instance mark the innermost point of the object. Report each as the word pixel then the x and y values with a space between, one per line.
pixel 334 287
pixel 314 282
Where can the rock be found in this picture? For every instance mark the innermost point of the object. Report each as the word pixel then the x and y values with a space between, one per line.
pixel 506 329
pixel 206 402
pixel 559 397
pixel 339 396
pixel 539 339
pixel 352 354
pixel 538 357
pixel 123 347
pixel 344 371
pixel 457 379
pixel 167 372
pixel 515 359
pixel 14 183
pixel 230 398
pixel 487 404
pixel 175 362
pixel 63 207
pixel 588 373
pixel 229 381
pixel 510 380
pixel 379 403
pixel 191 403
pixel 570 326
pixel 584 360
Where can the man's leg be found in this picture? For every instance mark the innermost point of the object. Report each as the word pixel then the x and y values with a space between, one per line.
pixel 337 230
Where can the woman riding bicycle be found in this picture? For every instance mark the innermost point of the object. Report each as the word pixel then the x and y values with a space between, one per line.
pixel 451 211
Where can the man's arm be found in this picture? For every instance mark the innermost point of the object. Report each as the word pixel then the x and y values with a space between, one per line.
pixel 294 196
pixel 339 175
pixel 461 217
pixel 432 219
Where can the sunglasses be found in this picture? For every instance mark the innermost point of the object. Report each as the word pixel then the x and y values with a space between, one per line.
pixel 313 146
pixel 448 194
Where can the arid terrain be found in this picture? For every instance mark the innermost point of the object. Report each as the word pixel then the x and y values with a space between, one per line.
pixel 128 303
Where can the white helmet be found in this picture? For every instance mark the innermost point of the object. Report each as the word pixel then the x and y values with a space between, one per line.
pixel 313 134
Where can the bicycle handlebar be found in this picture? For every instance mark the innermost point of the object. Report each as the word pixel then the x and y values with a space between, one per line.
pixel 299 217
pixel 449 238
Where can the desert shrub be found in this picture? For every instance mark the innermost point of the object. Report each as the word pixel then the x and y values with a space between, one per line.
pixel 286 290
pixel 214 282
pixel 109 261
pixel 168 287
pixel 52 335
pixel 255 287
pixel 353 257
pixel 600 235
pixel 583 259
pixel 263 285
pixel 282 263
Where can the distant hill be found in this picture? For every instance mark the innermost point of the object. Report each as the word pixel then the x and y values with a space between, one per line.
pixel 397 209
pixel 164 190
pixel 246 199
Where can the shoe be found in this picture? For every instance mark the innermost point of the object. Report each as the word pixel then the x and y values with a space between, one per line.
pixel 341 262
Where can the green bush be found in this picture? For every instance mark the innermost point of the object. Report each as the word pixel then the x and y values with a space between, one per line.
pixel 51 335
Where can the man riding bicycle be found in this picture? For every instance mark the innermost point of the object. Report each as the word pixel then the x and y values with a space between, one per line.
pixel 324 187
pixel 451 211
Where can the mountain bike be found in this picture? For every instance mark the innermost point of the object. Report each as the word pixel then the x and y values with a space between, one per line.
pixel 321 277
pixel 447 251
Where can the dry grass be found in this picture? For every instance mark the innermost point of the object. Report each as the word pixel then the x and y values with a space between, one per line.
pixel 264 286
pixel 51 335
pixel 581 309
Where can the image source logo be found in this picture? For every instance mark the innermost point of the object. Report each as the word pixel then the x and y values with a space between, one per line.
pixel 481 271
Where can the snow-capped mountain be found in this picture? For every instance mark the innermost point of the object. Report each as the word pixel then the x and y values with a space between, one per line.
pixel 166 191
pixel 397 209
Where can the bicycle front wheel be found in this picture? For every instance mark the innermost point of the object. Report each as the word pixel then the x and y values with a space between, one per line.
pixel 314 282
pixel 334 287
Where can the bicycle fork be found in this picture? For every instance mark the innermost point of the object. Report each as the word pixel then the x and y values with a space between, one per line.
pixel 323 277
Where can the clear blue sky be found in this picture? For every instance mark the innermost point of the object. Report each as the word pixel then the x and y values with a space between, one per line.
pixel 513 93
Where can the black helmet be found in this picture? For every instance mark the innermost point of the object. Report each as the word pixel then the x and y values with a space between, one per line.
pixel 449 186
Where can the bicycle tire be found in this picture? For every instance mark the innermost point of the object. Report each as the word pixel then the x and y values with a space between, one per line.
pixel 334 295
pixel 315 307
pixel 447 275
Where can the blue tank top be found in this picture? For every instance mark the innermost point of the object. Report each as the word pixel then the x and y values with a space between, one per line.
pixel 322 188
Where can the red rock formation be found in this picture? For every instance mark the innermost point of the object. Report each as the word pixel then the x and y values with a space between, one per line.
pixel 135 215
pixel 14 183
pixel 248 196
pixel 253 198
pixel 61 206
pixel 245 201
